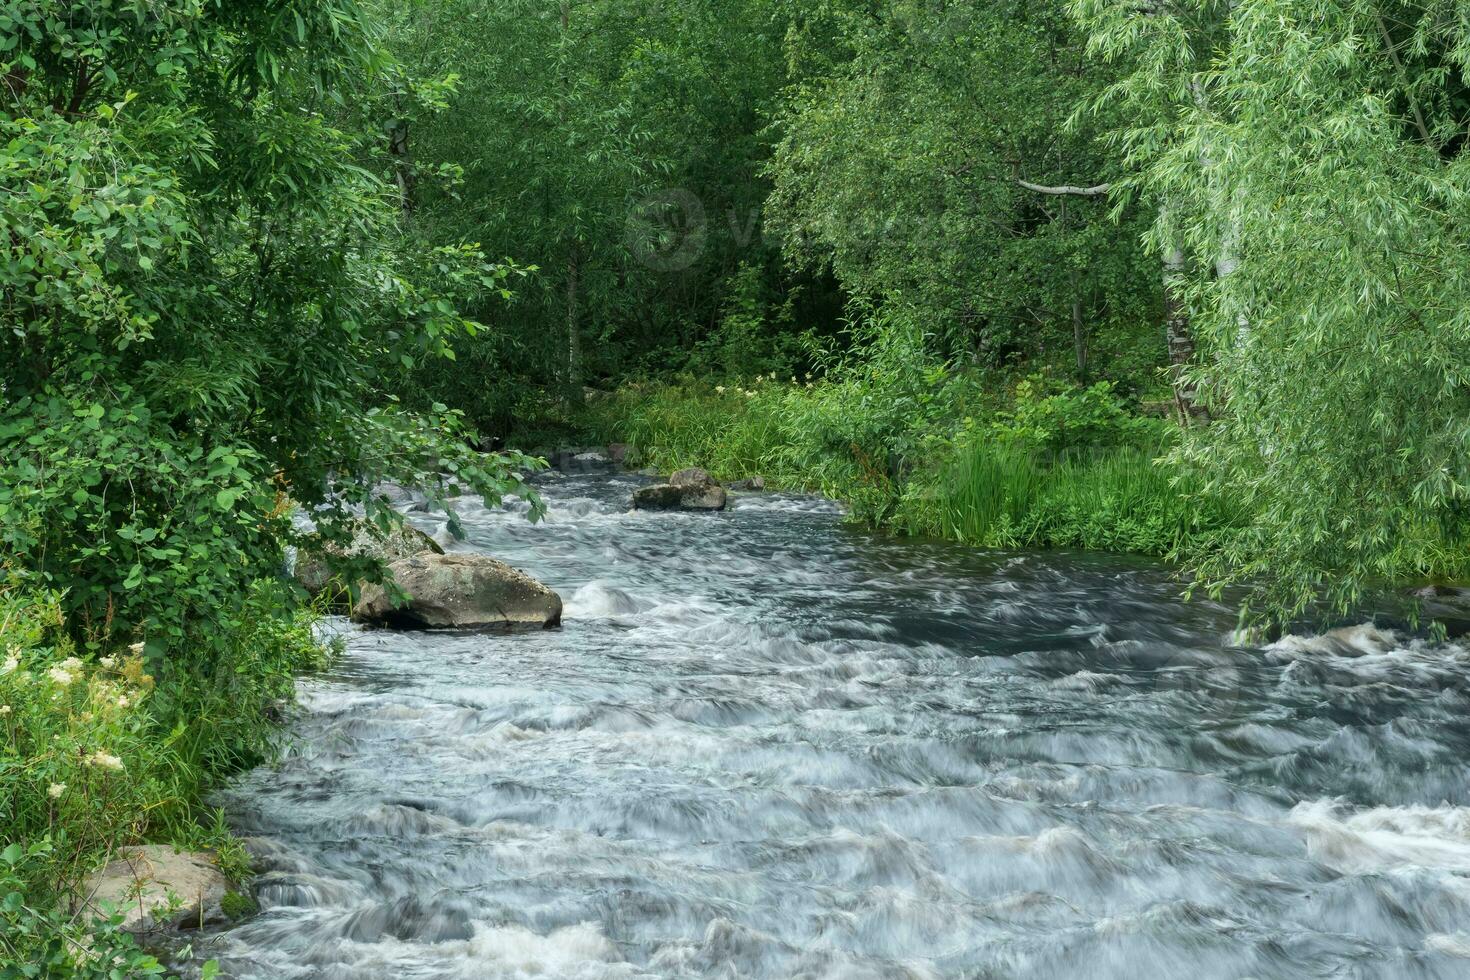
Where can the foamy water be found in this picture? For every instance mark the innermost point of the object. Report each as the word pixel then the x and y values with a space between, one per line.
pixel 764 745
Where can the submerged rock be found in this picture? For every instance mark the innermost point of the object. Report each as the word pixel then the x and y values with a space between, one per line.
pixel 156 887
pixel 691 489
pixel 459 591
pixel 313 569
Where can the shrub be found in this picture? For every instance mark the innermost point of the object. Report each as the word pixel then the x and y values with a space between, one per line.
pixel 1056 420
pixel 96 752
pixel 44 940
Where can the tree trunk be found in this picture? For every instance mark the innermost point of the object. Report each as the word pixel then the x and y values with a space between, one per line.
pixel 574 329
pixel 402 162
pixel 1079 334
pixel 1181 341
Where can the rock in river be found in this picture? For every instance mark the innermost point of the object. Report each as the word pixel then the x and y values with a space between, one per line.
pixel 691 489
pixel 460 591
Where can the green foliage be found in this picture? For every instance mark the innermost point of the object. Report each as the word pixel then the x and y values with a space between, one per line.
pixel 42 939
pixel 1119 499
pixel 922 450
pixel 898 167
pixel 1311 157
pixel 204 299
pixel 616 145
pixel 1053 419
pixel 96 754
pixel 756 334
pixel 101 752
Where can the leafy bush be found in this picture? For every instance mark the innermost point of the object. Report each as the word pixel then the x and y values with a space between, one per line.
pixel 42 939
pixel 96 753
pixel 755 337
pixel 81 752
pixel 1054 419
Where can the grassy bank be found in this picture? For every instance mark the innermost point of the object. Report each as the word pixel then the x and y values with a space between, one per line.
pixel 992 462
pixel 96 753
pixel 1026 464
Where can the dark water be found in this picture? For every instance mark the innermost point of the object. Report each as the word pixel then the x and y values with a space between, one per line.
pixel 767 746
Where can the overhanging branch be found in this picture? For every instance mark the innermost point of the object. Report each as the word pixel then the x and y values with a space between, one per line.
pixel 1067 190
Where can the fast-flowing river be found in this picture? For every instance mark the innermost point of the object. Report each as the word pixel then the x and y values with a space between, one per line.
pixel 765 745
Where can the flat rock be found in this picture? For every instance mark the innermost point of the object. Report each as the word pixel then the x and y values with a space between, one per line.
pixel 144 883
pixel 459 591
pixel 666 496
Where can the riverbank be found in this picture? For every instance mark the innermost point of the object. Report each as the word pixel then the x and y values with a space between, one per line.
pixel 1038 465
pixel 1031 462
pixel 105 749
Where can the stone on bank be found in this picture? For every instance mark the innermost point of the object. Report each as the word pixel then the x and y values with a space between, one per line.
pixel 156 887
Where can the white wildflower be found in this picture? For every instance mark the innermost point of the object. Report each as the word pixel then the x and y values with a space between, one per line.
pixel 122 701
pixel 720 389
pixel 55 790
pixel 72 664
pixel 104 760
pixel 4 709
pixel 108 662
pixel 136 648
pixel 60 675
pixel 11 663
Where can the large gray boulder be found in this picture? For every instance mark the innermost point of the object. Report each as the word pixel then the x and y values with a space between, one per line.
pixel 691 489
pixel 157 887
pixel 459 591
pixel 314 572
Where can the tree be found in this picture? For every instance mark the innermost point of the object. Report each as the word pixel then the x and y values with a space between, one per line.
pixel 918 169
pixel 1315 149
pixel 203 298
pixel 616 146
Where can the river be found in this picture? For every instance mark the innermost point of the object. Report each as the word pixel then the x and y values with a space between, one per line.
pixel 766 745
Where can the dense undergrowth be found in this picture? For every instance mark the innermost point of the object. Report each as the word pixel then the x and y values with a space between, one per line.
pixel 96 753
pixel 1060 468
pixel 1036 461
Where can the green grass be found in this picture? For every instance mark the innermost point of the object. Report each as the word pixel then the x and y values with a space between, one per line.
pixel 969 487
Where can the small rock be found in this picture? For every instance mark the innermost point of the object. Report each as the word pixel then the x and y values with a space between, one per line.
pixel 692 477
pixel 143 883
pixel 749 483
pixel 460 591
pixel 1451 592
pixel 618 452
pixel 660 496
pixel 593 457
